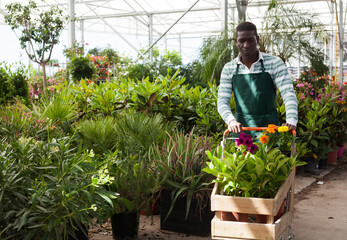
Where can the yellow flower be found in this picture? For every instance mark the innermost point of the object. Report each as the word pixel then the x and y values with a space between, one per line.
pixel 314 156
pixel 283 129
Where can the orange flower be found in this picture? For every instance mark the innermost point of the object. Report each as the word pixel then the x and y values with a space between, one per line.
pixel 264 139
pixel 271 128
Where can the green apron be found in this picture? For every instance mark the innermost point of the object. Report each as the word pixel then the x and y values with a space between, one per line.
pixel 255 96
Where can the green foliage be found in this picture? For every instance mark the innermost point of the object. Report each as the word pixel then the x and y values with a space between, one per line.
pixel 13 84
pixel 99 134
pixel 162 65
pixel 46 187
pixel 284 30
pixel 215 52
pixel 250 175
pixel 81 68
pixel 38 30
pixel 133 180
pixel 180 161
pixel 137 132
pixel 18 120
pixel 76 50
pixel 168 96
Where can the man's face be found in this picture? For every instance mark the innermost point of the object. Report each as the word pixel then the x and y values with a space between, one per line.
pixel 246 42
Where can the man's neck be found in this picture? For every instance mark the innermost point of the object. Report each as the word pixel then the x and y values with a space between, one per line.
pixel 250 61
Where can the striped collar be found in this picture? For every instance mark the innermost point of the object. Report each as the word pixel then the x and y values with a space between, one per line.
pixel 260 58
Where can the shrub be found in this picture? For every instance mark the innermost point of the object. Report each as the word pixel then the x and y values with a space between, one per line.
pixel 13 84
pixel 81 68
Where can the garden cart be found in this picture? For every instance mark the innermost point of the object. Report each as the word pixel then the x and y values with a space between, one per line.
pixel 266 218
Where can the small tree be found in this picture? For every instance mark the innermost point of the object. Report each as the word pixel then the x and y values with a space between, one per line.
pixel 39 30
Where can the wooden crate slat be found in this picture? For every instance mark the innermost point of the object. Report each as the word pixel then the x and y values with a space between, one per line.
pixel 242 205
pixel 223 229
pixel 281 225
pixel 282 192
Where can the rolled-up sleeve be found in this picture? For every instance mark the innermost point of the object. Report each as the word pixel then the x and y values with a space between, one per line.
pixel 225 93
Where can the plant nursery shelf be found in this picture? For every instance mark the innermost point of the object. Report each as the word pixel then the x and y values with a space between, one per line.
pixel 271 230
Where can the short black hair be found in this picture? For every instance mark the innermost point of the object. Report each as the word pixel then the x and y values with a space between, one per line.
pixel 246 26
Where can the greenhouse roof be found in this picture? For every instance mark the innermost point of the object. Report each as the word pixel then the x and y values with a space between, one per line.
pixel 133 21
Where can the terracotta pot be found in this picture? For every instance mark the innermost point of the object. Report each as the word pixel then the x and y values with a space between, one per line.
pixel 332 156
pixel 234 216
pixel 262 218
pixel 282 210
pixel 340 151
pixel 227 216
pixel 153 208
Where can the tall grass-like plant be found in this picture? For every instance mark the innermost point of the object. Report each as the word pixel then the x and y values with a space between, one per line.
pixel 181 159
pixel 99 134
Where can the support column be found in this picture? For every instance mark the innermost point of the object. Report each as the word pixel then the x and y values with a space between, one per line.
pixel 341 33
pixel 72 35
pixel 332 41
pixel 224 17
pixel 150 40
pixel 82 30
pixel 180 43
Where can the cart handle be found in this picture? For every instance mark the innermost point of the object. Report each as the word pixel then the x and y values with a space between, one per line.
pixel 254 129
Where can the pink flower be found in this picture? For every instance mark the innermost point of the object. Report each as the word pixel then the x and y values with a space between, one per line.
pixel 311 93
pixel 302 97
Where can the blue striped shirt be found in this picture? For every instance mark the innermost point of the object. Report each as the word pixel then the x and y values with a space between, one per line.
pixel 279 74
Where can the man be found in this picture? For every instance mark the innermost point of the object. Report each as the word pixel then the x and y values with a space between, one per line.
pixel 254 78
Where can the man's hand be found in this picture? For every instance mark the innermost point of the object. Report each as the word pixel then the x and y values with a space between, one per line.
pixel 290 126
pixel 234 126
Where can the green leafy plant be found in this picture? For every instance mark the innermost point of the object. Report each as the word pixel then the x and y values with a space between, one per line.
pixel 133 180
pixel 137 132
pixel 13 84
pixel 98 134
pixel 50 188
pixel 250 171
pixel 181 159
pixel 81 68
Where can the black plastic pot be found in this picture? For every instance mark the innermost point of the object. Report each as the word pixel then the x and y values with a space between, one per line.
pixel 323 163
pixel 197 223
pixel 80 233
pixel 125 225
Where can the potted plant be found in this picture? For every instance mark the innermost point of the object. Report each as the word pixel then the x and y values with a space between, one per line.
pixel 134 182
pixel 185 191
pixel 252 178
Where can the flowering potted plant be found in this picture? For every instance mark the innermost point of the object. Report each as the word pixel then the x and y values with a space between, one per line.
pixel 277 136
pixel 252 179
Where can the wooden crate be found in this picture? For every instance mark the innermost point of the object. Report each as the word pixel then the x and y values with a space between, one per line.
pixel 253 206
